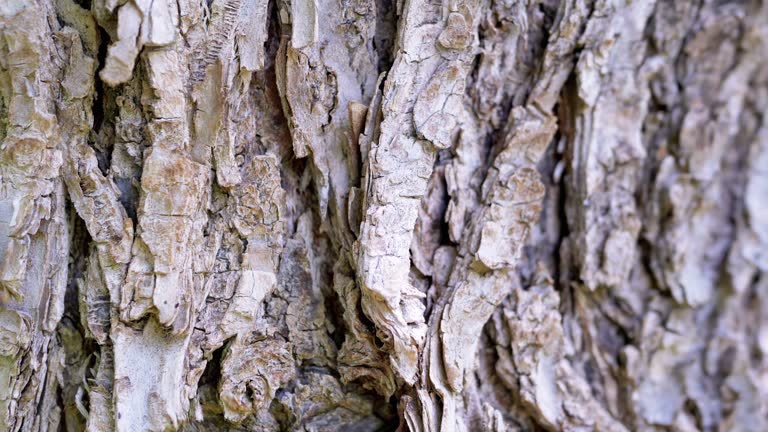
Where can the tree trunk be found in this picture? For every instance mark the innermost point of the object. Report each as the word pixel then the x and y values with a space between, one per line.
pixel 360 215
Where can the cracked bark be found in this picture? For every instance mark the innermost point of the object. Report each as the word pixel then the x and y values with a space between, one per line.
pixel 370 215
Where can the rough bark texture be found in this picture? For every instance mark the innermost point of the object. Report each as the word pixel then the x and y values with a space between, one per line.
pixel 360 215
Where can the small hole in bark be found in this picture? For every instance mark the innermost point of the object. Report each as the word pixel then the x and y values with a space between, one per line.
pixel 212 372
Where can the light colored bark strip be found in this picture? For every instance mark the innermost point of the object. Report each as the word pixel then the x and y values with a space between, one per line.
pixel 34 237
pixel 420 103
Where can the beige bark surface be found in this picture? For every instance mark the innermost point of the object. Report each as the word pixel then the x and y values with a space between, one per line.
pixel 376 215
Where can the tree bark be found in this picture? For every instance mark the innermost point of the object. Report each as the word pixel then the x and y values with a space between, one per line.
pixel 361 215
